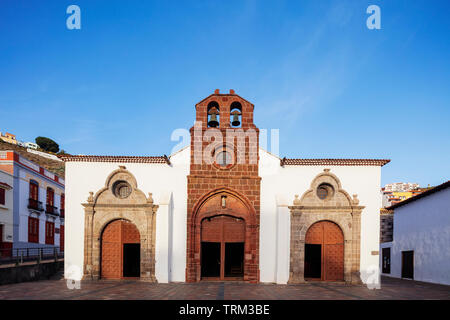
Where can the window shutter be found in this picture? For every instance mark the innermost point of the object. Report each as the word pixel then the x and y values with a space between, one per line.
pixel 2 196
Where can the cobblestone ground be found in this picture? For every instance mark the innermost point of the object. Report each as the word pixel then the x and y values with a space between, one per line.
pixel 57 289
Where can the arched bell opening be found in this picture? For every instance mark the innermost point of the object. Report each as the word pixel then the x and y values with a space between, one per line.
pixel 213 112
pixel 236 115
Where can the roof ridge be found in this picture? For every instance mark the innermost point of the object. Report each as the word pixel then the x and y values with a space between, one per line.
pixel 113 158
pixel 334 161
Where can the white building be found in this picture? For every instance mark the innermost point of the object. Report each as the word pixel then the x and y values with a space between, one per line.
pixel 6 212
pixel 174 219
pixel 421 238
pixel 401 186
pixel 37 204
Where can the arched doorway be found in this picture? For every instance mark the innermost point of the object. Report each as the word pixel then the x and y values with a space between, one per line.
pixel 222 247
pixel 237 228
pixel 120 251
pixel 324 252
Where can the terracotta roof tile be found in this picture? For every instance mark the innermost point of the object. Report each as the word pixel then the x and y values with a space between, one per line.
pixel 336 162
pixel 127 159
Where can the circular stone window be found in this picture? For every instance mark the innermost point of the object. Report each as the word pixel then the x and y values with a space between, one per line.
pixel 325 191
pixel 121 189
pixel 224 159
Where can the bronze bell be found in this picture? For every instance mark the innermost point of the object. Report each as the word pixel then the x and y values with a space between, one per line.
pixel 213 118
pixel 236 121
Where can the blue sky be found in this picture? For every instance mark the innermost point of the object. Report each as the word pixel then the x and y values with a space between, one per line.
pixel 133 73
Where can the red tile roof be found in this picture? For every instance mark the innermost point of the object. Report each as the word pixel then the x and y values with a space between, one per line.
pixel 336 162
pixel 127 159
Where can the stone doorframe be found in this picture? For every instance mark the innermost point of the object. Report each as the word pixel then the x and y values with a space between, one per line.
pixel 339 208
pixel 237 205
pixel 108 205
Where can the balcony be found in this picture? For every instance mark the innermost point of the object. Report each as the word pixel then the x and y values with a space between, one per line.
pixel 51 210
pixel 35 204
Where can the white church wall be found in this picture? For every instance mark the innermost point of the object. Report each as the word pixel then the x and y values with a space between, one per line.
pixel 168 185
pixel 424 226
pixel 291 180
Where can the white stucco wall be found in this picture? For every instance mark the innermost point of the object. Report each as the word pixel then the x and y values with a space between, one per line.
pixel 423 226
pixel 169 187
pixel 280 185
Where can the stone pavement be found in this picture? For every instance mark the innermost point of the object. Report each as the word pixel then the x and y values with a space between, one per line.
pixel 107 290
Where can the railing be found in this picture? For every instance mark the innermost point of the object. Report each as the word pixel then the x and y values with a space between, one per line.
pixel 51 210
pixel 35 204
pixel 21 255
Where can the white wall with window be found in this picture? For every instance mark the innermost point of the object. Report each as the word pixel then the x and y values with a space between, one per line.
pixel 6 209
pixel 422 237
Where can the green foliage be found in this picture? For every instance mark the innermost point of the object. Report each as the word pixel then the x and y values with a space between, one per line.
pixel 62 152
pixel 47 144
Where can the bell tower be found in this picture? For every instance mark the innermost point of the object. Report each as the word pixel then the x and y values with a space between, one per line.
pixel 223 183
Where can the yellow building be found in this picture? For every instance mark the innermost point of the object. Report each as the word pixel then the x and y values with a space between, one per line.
pixel 8 137
pixel 402 195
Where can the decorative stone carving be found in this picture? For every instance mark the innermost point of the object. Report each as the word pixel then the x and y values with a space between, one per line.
pixel 150 198
pixel 91 197
pixel 105 207
pixel 339 208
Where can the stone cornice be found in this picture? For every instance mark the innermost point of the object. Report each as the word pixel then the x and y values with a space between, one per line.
pixel 327 208
pixel 120 206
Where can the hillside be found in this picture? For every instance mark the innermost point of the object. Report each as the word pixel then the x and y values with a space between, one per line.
pixel 54 166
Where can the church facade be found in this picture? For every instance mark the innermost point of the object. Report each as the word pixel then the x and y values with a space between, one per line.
pixel 222 209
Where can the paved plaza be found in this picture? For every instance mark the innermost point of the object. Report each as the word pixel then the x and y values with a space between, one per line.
pixel 107 290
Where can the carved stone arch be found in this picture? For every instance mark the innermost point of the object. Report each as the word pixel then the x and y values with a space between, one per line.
pixel 109 204
pixel 237 205
pixel 339 198
pixel 336 206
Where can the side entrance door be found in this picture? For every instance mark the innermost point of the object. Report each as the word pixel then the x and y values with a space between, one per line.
pixel 408 264
pixel 120 250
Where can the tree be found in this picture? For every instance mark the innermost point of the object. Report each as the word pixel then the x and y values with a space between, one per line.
pixel 62 152
pixel 47 144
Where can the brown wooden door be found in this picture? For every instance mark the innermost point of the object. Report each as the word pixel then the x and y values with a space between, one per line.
pixel 49 232
pixel 115 235
pixel 34 191
pixel 50 197
pixel 330 237
pixel 61 238
pixel 222 230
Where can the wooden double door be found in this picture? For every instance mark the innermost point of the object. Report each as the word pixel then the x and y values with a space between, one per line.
pixel 324 252
pixel 222 248
pixel 120 251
